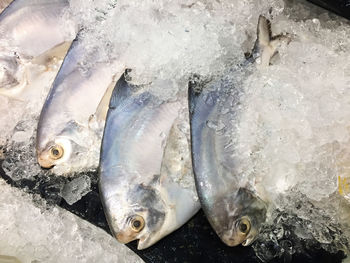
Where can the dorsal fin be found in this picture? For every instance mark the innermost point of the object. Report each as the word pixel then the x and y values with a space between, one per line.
pixel 121 90
pixel 58 52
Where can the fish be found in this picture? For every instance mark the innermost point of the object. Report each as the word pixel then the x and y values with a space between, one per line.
pixel 71 121
pixel 143 188
pixel 230 202
pixel 32 32
pixel 4 4
pixel 9 259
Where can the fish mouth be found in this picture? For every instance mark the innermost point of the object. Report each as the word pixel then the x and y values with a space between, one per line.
pixel 127 236
pixel 232 240
pixel 247 242
pixel 237 240
pixel 145 242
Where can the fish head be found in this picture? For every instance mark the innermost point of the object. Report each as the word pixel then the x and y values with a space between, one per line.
pixel 240 216
pixel 12 73
pixel 139 214
pixel 54 152
pixel 64 148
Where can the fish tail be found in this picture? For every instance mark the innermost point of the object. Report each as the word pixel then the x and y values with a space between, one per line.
pixel 266 45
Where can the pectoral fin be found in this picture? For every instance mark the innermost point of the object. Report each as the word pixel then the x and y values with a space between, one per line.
pixel 51 56
pixel 108 98
pixel 102 108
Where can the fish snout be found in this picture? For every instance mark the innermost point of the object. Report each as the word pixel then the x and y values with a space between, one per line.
pixel 146 242
pixel 128 236
pixel 232 238
pixel 125 236
pixel 232 242
pixel 44 161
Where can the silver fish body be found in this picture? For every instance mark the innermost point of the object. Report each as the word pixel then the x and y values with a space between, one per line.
pixel 65 138
pixel 142 194
pixel 29 31
pixel 228 197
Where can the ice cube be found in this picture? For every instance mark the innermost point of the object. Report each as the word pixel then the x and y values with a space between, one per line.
pixel 76 189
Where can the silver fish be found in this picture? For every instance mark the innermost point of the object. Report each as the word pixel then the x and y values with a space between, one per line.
pixel 143 191
pixel 230 202
pixel 4 4
pixel 32 32
pixel 68 136
pixel 9 259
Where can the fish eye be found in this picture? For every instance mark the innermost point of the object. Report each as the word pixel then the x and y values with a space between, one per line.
pixel 137 223
pixel 56 152
pixel 244 225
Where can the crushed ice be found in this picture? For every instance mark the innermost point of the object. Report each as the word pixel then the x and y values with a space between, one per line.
pixel 37 233
pixel 294 121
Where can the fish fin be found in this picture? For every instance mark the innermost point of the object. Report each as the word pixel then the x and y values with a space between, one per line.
pixel 49 57
pixel 102 108
pixel 122 90
pixel 264 33
pixel 277 40
pixel 266 45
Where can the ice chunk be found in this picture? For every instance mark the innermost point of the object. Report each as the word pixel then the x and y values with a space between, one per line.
pixel 172 40
pixel 302 224
pixel 59 237
pixel 27 106
pixel 292 121
pixel 20 160
pixel 76 189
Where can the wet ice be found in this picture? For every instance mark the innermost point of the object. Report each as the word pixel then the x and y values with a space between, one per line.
pixel 294 119
pixel 76 189
pixel 38 233
pixel 299 224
